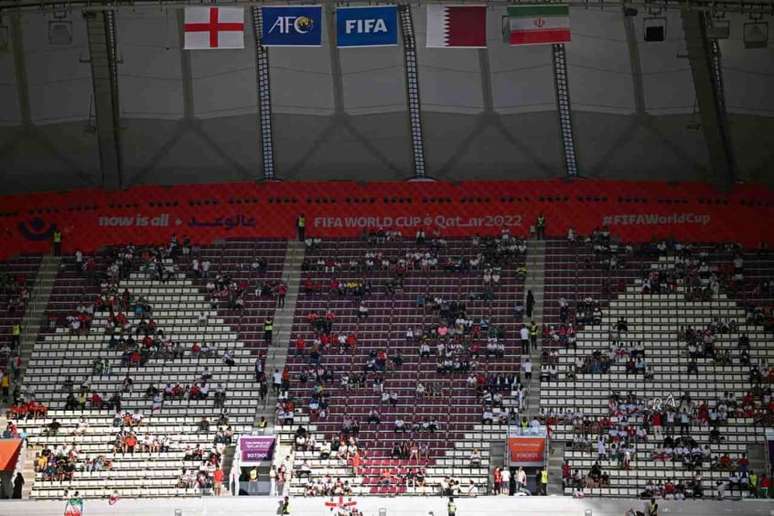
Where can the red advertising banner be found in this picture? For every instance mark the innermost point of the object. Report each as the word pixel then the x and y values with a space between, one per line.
pixel 633 211
pixel 527 451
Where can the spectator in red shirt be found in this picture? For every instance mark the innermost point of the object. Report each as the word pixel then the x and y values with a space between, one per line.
pixel 763 489
pixel 96 401
pixel 300 345
pixel 743 463
pixel 282 291
pixel 566 474
pixel 217 478
pixel 669 490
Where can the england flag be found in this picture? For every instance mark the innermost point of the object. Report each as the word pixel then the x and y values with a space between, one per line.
pixel 214 27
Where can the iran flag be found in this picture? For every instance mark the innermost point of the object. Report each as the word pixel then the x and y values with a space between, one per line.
pixel 456 26
pixel 532 24
pixel 214 27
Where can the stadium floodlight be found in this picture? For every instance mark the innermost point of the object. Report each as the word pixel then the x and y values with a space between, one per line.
pixel 756 33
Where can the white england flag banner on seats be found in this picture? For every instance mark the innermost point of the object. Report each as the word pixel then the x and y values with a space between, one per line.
pixel 214 27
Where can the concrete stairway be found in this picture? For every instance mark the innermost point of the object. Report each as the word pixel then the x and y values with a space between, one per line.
pixel 228 461
pixel 34 318
pixel 35 314
pixel 277 354
pixel 535 281
pixel 757 454
pixel 25 464
pixel 555 458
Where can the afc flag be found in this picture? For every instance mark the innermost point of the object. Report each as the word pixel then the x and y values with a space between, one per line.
pixel 292 26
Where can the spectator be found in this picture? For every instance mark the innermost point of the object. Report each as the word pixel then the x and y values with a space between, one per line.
pixel 540 227
pixel 524 335
pixel 301 227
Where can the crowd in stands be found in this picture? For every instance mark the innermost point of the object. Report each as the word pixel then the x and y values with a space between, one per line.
pixel 14 296
pixel 455 340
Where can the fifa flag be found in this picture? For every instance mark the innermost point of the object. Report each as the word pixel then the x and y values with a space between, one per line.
pixel 214 27
pixel 538 24
pixel 366 26
pixel 299 26
pixel 456 26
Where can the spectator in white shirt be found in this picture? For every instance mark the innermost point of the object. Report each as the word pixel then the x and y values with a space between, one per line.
pixel 527 366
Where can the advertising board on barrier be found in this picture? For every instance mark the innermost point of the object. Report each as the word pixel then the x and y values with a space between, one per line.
pixel 526 451
pixel 151 215
pixel 256 448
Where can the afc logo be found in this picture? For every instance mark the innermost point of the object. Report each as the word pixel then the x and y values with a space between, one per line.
pixel 292 24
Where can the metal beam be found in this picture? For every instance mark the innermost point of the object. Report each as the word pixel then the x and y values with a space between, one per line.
pixel 100 28
pixel 186 77
pixel 727 6
pixel 635 63
pixel 262 72
pixel 20 68
pixel 412 90
pixel 562 90
pixel 485 70
pixel 709 98
pixel 333 50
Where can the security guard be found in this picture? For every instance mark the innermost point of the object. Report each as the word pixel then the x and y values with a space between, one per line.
pixel 753 484
pixel 285 506
pixel 301 227
pixel 533 334
pixel 57 242
pixel 15 335
pixel 452 507
pixel 544 481
pixel 540 227
pixel 268 329
pixel 252 486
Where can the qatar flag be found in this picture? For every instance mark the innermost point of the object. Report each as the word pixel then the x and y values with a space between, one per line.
pixel 456 26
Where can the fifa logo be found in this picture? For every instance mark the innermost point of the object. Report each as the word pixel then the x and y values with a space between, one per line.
pixel 292 24
pixel 368 26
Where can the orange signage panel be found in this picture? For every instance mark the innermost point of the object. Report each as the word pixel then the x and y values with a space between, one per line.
pixel 9 452
pixel 526 451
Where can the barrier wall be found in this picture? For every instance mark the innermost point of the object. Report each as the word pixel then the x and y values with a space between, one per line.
pixel 635 211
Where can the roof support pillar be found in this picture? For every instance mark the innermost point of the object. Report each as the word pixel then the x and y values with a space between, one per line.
pixel 704 58
pixel 101 30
